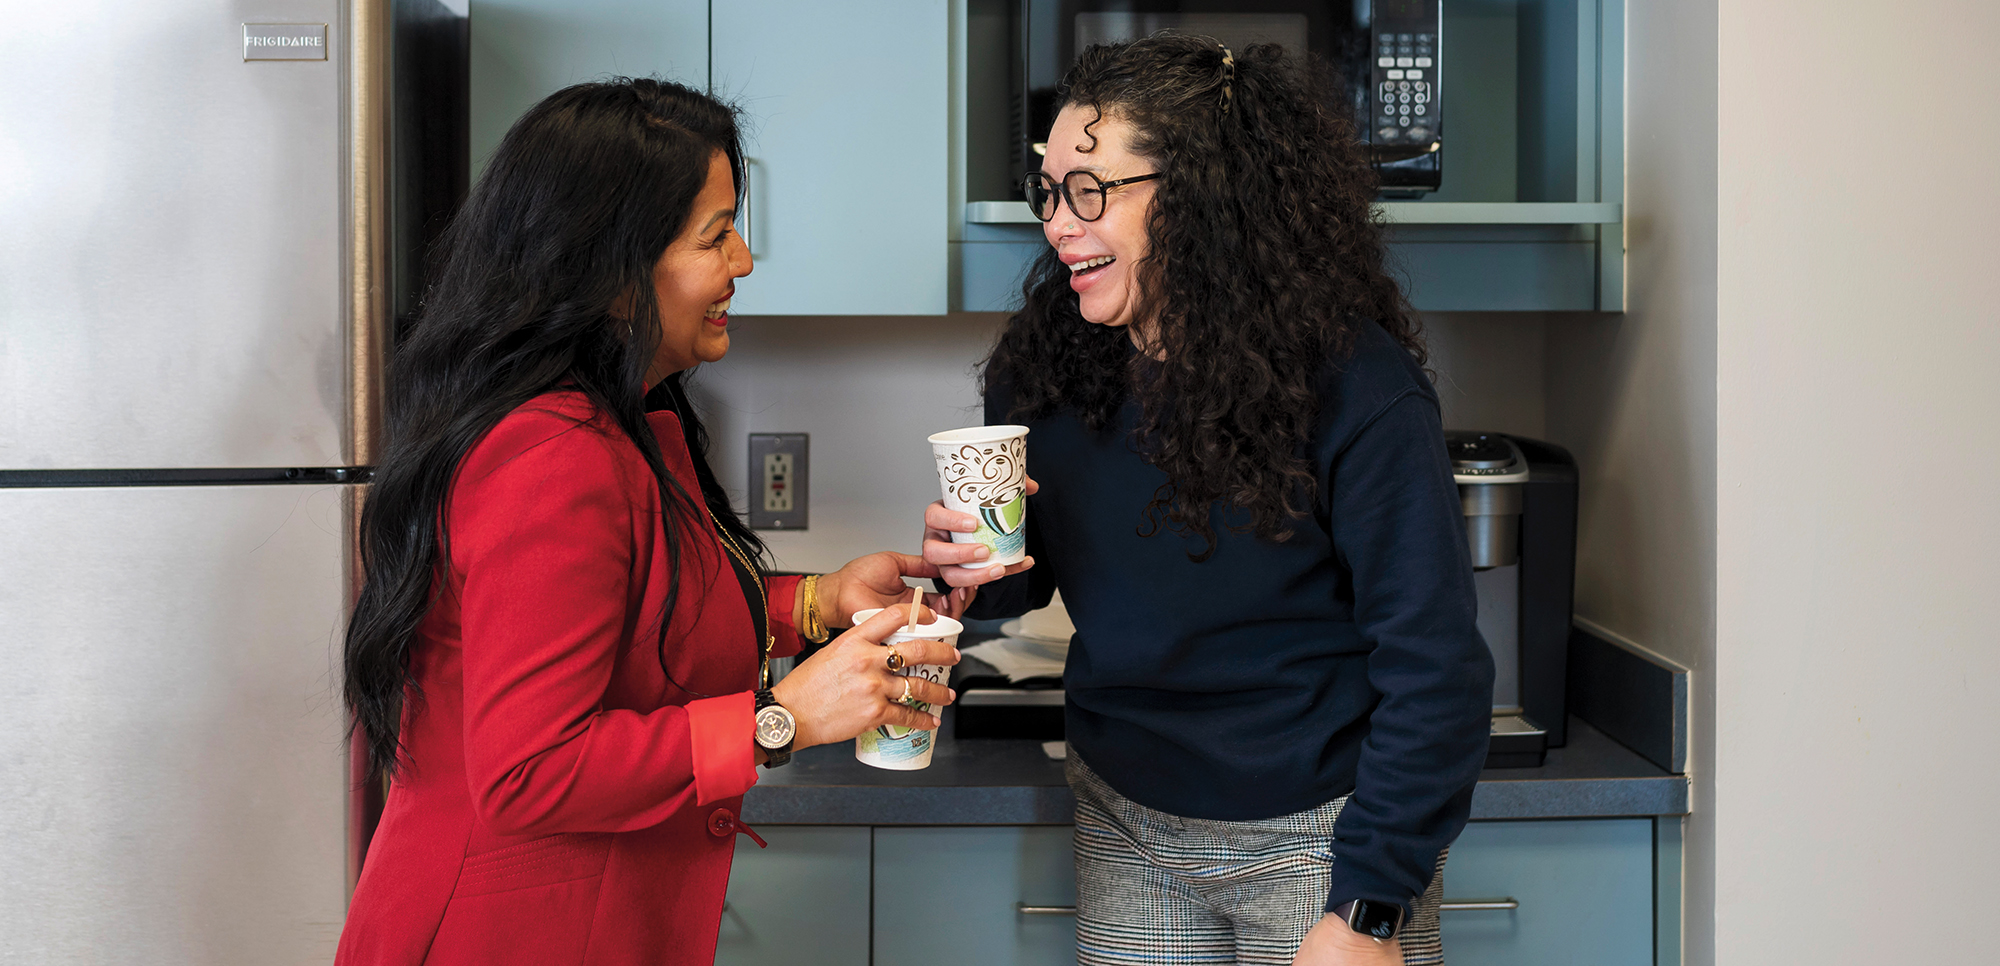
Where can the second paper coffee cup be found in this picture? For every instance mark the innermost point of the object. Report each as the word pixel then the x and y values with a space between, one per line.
pixel 892 746
pixel 983 471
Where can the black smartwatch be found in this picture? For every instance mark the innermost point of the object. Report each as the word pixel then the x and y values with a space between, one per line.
pixel 775 729
pixel 1376 920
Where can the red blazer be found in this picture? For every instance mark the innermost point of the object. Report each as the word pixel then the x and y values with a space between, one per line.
pixel 558 801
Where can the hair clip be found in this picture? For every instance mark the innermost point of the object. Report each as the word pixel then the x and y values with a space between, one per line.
pixel 1228 77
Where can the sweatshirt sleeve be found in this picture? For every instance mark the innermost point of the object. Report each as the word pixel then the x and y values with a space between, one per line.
pixel 541 526
pixel 1398 530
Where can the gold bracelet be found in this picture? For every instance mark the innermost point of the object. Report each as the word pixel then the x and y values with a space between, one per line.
pixel 812 626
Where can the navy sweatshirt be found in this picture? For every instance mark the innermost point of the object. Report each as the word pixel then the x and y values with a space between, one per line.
pixel 1275 677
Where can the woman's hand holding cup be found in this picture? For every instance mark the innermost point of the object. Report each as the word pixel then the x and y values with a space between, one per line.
pixel 848 688
pixel 939 524
pixel 875 581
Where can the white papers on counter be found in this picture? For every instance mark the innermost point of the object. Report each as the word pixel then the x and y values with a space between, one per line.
pixel 1020 660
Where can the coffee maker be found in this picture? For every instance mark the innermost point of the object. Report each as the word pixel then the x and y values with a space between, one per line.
pixel 1519 499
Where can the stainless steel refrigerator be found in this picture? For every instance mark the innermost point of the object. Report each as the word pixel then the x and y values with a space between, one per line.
pixel 212 214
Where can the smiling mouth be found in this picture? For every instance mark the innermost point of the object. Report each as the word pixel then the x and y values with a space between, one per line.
pixel 718 310
pixel 1089 265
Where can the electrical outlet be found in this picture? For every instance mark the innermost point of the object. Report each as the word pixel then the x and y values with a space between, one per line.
pixel 778 481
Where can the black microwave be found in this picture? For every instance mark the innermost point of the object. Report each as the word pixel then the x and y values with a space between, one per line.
pixel 1389 55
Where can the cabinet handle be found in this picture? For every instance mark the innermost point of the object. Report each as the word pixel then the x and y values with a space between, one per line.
pixel 1028 910
pixel 1449 905
pixel 746 222
pixel 1477 905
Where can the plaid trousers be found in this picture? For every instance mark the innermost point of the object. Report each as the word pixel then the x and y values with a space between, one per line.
pixel 1162 890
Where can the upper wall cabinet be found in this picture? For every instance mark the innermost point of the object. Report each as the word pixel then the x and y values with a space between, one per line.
pixel 1529 215
pixel 847 133
pixel 525 50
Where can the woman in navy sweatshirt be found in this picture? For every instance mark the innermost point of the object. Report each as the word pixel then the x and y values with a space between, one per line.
pixel 1278 700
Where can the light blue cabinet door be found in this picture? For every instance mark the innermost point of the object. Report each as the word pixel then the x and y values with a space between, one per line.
pixel 1585 889
pixel 847 132
pixel 525 50
pixel 951 895
pixel 803 900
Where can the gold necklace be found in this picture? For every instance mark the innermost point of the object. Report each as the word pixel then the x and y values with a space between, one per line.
pixel 763 598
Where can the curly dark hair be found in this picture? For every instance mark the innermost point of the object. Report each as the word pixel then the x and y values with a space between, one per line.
pixel 1265 259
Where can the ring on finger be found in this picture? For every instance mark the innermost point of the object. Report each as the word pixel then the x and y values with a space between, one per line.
pixel 895 659
pixel 906 692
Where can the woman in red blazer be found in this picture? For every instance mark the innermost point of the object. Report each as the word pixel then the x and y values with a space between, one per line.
pixel 564 631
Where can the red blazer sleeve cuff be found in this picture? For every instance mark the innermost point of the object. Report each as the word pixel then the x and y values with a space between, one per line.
pixel 784 593
pixel 720 729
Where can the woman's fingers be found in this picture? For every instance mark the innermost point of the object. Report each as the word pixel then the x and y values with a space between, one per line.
pixel 951 605
pixel 908 717
pixel 961 577
pixel 1025 563
pixel 942 553
pixel 946 555
pixel 937 517
pixel 939 550
pixel 877 629
pixel 929 692
pixel 928 652
pixel 912 566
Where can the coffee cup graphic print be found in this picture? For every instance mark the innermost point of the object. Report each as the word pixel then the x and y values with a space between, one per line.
pixel 990 479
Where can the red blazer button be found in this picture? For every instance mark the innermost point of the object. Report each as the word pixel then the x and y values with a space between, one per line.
pixel 722 823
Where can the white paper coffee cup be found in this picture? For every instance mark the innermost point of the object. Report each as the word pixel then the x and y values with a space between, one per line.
pixel 893 746
pixel 983 471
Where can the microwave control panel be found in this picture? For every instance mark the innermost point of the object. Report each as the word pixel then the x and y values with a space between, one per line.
pixel 1406 45
pixel 1388 55
pixel 1403 117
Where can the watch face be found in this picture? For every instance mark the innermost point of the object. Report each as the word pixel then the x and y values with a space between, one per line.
pixel 775 727
pixel 1377 920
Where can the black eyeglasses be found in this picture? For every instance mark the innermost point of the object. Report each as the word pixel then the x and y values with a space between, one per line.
pixel 1081 190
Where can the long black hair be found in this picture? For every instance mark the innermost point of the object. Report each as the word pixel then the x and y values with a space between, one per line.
pixel 1265 258
pixel 575 207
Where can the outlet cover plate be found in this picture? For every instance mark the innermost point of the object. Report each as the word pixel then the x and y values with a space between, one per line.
pixel 778 499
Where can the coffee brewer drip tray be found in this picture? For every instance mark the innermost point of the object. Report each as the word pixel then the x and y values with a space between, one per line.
pixel 1516 743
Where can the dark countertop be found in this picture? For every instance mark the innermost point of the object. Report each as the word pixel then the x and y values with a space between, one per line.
pixel 993 781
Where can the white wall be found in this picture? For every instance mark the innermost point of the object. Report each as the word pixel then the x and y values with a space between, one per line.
pixel 1633 397
pixel 1488 369
pixel 868 390
pixel 1858 375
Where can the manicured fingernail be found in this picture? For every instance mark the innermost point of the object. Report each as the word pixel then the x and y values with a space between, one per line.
pixel 997 571
pixel 981 552
pixel 952 693
pixel 937 722
pixel 968 527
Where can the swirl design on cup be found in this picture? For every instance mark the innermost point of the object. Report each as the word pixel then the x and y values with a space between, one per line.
pixel 989 475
